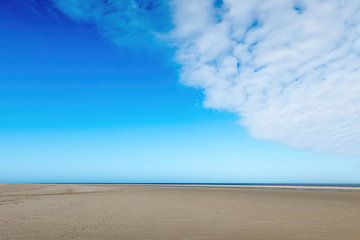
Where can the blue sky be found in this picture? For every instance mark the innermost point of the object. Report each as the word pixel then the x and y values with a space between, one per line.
pixel 86 101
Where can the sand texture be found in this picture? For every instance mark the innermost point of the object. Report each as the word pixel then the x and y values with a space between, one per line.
pixel 173 212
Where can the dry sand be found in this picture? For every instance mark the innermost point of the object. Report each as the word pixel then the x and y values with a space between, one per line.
pixel 173 212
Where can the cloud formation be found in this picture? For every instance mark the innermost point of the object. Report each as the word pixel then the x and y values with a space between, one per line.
pixel 127 23
pixel 289 69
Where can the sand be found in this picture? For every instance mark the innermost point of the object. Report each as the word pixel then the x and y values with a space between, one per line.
pixel 177 212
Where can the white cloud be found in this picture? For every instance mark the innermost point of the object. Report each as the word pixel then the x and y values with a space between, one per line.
pixel 289 69
pixel 127 23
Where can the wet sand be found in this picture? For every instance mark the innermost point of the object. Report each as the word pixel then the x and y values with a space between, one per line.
pixel 177 212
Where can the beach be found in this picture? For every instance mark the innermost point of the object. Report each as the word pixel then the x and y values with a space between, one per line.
pixel 72 211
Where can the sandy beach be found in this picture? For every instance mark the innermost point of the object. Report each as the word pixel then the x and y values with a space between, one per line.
pixel 177 212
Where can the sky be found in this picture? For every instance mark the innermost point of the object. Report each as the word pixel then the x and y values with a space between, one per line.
pixel 179 91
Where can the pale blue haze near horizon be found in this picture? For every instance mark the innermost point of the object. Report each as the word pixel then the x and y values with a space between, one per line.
pixel 76 106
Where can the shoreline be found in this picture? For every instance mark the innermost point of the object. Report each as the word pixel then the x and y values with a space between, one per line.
pixel 299 187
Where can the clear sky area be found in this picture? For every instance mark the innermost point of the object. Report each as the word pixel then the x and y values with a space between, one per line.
pixel 109 91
